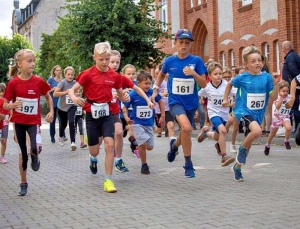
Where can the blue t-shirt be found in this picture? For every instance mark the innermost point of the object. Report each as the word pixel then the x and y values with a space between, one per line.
pixel 141 113
pixel 121 104
pixel 183 89
pixel 252 94
pixel 53 83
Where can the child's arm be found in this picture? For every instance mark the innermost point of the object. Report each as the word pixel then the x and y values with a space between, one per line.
pixel 157 83
pixel 59 93
pixel 122 97
pixel 226 94
pixel 49 116
pixel 274 93
pixel 77 100
pixel 9 106
pixel 278 103
pixel 200 79
pixel 142 94
pixel 291 101
pixel 125 113
pixel 162 113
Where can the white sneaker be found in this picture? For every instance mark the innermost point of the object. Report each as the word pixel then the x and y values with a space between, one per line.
pixel 73 146
pixel 61 142
pixel 232 148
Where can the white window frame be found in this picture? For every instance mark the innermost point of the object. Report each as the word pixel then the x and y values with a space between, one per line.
pixel 246 2
pixel 223 60
pixel 232 58
pixel 199 2
pixel 267 51
pixel 164 13
pixel 277 57
pixel 192 3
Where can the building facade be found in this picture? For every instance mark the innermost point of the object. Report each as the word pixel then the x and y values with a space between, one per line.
pixel 39 16
pixel 223 28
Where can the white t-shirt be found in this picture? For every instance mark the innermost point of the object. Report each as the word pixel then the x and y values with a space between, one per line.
pixel 162 88
pixel 214 97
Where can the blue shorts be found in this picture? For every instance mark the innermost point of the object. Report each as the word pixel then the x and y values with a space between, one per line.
pixel 216 122
pixel 177 109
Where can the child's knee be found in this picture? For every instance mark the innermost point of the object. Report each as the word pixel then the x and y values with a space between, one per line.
pixel 256 132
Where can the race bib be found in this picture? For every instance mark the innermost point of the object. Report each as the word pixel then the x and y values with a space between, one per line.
pixel 256 101
pixel 29 106
pixel 68 100
pixel 183 86
pixel 113 91
pixel 99 110
pixel 143 112
pixel 79 111
pixel 217 100
pixel 283 110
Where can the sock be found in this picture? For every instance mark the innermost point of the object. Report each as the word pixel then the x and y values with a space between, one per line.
pixel 144 164
pixel 93 158
pixel 107 177
pixel 285 140
pixel 205 134
pixel 223 155
pixel 117 159
pixel 188 159
pixel 237 168
pixel 268 145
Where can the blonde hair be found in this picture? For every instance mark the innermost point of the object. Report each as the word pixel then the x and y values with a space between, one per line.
pixel 69 68
pixel 115 53
pixel 53 70
pixel 102 48
pixel 227 70
pixel 249 50
pixel 212 66
pixel 14 70
pixel 283 84
pixel 127 66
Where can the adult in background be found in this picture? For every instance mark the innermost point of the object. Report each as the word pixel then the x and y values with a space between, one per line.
pixel 291 65
pixel 53 81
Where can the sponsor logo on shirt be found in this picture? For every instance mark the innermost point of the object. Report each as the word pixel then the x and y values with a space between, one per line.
pixel 109 81
pixel 192 66
pixel 31 92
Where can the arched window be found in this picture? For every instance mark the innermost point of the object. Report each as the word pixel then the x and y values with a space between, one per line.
pixel 223 59
pixel 232 58
pixel 267 51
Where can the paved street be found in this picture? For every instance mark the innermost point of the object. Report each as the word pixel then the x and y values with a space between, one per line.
pixel 64 193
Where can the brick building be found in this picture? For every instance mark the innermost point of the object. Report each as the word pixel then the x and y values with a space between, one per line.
pixel 223 28
pixel 39 16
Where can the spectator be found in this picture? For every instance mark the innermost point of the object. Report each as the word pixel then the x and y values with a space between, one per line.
pixel 291 65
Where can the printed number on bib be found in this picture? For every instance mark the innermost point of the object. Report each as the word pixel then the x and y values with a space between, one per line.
pixel 283 110
pixel 79 111
pixel 183 86
pixel 99 110
pixel 143 112
pixel 217 100
pixel 29 106
pixel 256 101
pixel 68 100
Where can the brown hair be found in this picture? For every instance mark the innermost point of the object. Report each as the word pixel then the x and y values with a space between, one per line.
pixel 237 70
pixel 283 84
pixel 143 75
pixel 212 66
pixel 227 70
pixel 14 70
pixel 53 70
pixel 2 87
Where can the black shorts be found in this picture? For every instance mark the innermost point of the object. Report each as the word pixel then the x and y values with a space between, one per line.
pixel 116 118
pixel 247 119
pixel 101 127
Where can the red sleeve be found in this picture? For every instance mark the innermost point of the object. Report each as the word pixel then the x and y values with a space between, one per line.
pixel 44 87
pixel 9 92
pixel 82 78
pixel 126 83
pixel 118 82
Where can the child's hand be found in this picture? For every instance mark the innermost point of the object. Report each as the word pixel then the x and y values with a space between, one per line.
pixel 17 104
pixel 202 102
pixel 225 103
pixel 126 97
pixel 188 71
pixel 129 121
pixel 79 101
pixel 151 105
pixel 276 77
pixel 290 103
pixel 49 117
pixel 162 121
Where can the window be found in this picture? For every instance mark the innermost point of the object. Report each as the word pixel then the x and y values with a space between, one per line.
pixel 232 58
pixel 246 2
pixel 199 2
pixel 277 57
pixel 223 59
pixel 192 3
pixel 164 14
pixel 267 51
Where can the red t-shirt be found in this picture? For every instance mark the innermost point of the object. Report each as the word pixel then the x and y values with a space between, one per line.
pixel 29 91
pixel 97 85
pixel 114 107
pixel 2 111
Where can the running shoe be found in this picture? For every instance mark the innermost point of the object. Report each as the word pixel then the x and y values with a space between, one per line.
pixel 217 146
pixel 52 139
pixel 173 150
pixel 83 145
pixel 35 162
pixel 120 167
pixel 267 150
pixel 189 170
pixel 227 160
pixel 61 141
pixel 237 173
pixel 65 138
pixel 201 137
pixel 287 145
pixel 136 153
pixel 73 146
pixel 109 186
pixel 23 189
pixel 241 156
pixel 93 164
pixel 145 169
pixel 232 148
pixel 297 135
pixel 3 161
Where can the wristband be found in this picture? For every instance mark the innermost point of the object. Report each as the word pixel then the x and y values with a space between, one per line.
pixel 155 87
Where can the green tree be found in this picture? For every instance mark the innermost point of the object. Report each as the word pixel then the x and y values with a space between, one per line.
pixel 130 29
pixel 8 48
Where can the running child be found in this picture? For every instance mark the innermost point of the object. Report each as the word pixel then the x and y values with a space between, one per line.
pixel 79 120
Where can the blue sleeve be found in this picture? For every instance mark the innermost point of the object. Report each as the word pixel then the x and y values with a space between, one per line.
pixel 270 84
pixel 236 81
pixel 165 67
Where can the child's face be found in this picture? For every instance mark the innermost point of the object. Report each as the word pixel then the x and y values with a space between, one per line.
pixel 254 63
pixel 216 76
pixel 27 63
pixel 69 75
pixel 283 92
pixel 102 61
pixel 1 94
pixel 227 76
pixel 114 62
pixel 130 73
pixel 145 85
pixel 183 46
pixel 78 93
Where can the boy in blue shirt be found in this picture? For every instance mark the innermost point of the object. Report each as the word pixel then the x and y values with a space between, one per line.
pixel 185 72
pixel 253 91
pixel 142 117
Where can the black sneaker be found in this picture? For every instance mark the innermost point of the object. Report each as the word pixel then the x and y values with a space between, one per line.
pixel 267 150
pixel 145 169
pixel 287 145
pixel 23 189
pixel 93 165
pixel 35 162
pixel 217 146
pixel 120 167
pixel 297 135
